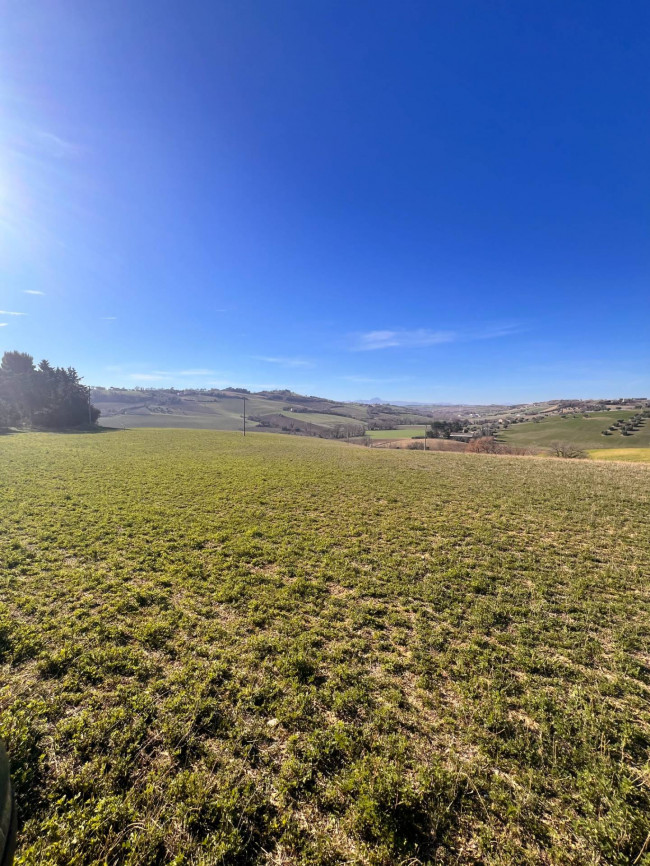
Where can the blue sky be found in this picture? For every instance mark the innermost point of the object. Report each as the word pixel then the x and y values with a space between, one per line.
pixel 413 200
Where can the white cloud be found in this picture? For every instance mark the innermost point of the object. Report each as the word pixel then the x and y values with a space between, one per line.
pixel 285 362
pixel 3 324
pixel 147 377
pixel 54 145
pixel 200 371
pixel 490 332
pixel 32 292
pixel 371 340
pixel 7 313
pixel 164 375
pixel 421 337
pixel 109 318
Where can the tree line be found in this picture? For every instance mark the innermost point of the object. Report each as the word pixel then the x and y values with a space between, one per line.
pixel 42 395
pixel 444 429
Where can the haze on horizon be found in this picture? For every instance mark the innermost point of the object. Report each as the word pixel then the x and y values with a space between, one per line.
pixel 436 203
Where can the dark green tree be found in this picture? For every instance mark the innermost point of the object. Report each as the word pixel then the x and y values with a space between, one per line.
pixel 43 396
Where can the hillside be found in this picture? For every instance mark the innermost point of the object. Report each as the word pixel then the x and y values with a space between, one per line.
pixel 576 421
pixel 584 431
pixel 279 411
pixel 280 650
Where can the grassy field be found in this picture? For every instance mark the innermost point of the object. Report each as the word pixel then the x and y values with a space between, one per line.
pixel 223 414
pixel 635 455
pixel 585 432
pixel 322 419
pixel 228 421
pixel 400 433
pixel 218 650
pixel 222 410
pixel 177 421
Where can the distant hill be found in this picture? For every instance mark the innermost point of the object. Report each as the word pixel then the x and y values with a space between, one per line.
pixel 613 428
pixel 532 424
pixel 277 411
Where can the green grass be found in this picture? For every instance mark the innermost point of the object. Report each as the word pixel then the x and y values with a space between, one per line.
pixel 322 419
pixel 400 433
pixel 223 414
pixel 273 650
pixel 164 421
pixel 583 432
pixel 222 410
pixel 635 455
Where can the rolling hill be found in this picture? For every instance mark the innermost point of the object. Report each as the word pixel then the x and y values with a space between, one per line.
pixel 583 431
pixel 580 423
pixel 279 411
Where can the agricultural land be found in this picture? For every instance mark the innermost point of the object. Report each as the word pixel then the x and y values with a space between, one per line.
pixel 634 455
pixel 532 427
pixel 584 431
pixel 282 650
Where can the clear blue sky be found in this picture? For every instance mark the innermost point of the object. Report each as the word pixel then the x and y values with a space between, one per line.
pixel 412 200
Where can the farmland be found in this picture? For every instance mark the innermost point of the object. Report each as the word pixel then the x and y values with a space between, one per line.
pixel 286 411
pixel 635 455
pixel 278 650
pixel 223 410
pixel 400 433
pixel 584 431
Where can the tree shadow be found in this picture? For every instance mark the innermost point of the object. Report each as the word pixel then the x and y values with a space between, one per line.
pixel 66 431
pixel 82 431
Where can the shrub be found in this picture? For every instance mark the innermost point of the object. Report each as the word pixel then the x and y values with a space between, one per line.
pixel 485 445
pixel 567 450
pixel 489 445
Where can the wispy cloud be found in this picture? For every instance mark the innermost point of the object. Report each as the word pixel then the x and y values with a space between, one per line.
pixel 147 377
pixel 491 332
pixel 165 375
pixel 8 313
pixel 198 371
pixel 32 292
pixel 54 145
pixel 3 324
pixel 109 318
pixel 421 337
pixel 371 340
pixel 284 362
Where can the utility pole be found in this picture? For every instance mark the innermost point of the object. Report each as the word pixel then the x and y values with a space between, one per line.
pixel 244 416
